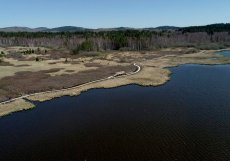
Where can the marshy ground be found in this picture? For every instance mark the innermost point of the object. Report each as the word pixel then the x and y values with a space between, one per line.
pixel 25 70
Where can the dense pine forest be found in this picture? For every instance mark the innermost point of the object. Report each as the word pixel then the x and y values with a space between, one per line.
pixel 209 28
pixel 215 36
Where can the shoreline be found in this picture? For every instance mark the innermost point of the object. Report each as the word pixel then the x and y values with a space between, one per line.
pixel 23 103
pixel 69 88
pixel 154 72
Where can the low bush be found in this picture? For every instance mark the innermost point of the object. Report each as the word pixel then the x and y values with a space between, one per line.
pixel 191 51
pixel 85 46
pixel 211 46
pixel 75 51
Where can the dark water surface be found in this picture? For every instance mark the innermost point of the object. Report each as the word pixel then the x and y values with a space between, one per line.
pixel 188 119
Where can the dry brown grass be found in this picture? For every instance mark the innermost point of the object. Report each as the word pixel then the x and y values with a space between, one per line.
pixel 18 105
pixel 27 82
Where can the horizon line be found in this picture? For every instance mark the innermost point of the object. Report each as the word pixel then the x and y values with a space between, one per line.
pixel 19 26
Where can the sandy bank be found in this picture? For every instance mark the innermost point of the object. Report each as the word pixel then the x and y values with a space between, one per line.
pixel 17 105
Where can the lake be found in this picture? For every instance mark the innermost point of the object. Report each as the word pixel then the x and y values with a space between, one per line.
pixel 187 119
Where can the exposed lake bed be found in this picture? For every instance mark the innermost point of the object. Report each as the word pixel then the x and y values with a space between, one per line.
pixel 188 118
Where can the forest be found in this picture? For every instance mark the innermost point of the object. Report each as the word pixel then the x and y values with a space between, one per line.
pixel 216 36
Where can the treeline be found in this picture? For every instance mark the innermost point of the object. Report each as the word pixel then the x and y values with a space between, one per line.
pixel 208 28
pixel 126 33
pixel 120 40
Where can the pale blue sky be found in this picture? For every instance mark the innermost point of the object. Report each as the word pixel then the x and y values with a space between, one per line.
pixel 107 13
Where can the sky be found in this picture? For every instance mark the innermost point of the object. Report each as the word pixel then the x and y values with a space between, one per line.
pixel 116 13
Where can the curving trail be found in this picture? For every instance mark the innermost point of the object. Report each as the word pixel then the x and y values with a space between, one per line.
pixel 65 89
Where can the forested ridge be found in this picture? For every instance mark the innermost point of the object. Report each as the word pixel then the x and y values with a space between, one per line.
pixel 203 37
pixel 208 28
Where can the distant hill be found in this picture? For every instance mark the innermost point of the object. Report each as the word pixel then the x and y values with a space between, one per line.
pixel 79 29
pixel 167 28
pixel 22 29
pixel 221 27
pixel 39 29
pixel 114 29
pixel 68 29
pixel 43 29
